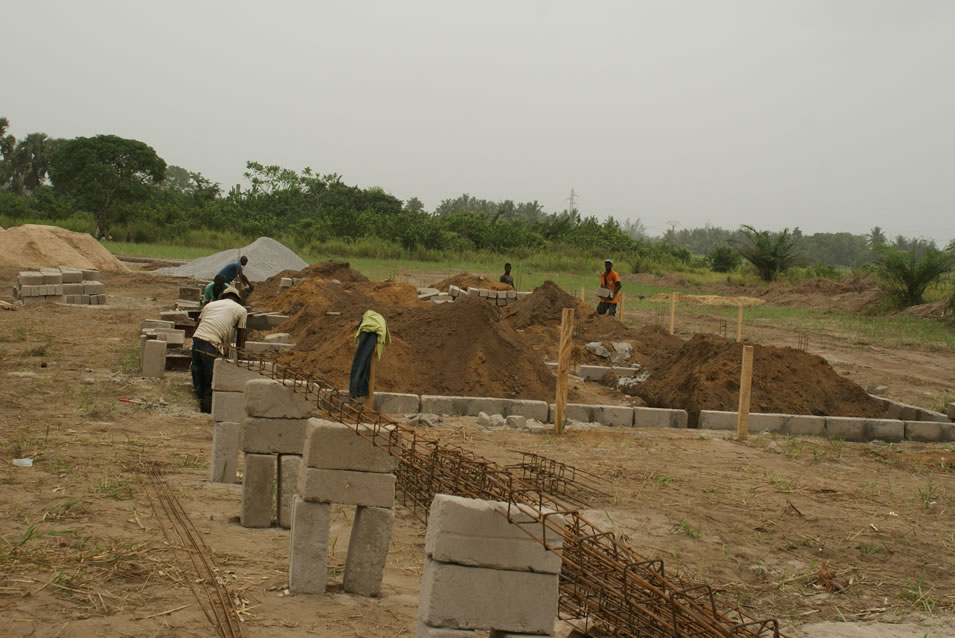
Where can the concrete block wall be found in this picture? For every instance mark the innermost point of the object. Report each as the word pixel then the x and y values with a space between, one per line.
pixel 339 466
pixel 906 412
pixel 63 284
pixel 482 572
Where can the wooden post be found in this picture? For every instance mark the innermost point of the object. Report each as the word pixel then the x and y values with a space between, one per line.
pixel 739 324
pixel 745 386
pixel 563 367
pixel 370 399
pixel 583 294
pixel 672 312
pixel 620 318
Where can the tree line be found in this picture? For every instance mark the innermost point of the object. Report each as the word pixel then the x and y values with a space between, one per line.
pixel 120 187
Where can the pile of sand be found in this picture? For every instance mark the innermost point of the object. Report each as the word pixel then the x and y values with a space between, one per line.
pixel 267 258
pixel 36 246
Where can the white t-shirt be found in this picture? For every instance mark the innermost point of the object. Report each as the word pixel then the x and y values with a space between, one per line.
pixel 218 321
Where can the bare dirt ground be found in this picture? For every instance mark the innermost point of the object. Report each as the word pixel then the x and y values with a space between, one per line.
pixel 82 552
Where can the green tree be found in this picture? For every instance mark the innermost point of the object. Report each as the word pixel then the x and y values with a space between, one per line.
pixel 906 274
pixel 104 171
pixel 413 205
pixel 7 145
pixel 877 238
pixel 723 259
pixel 770 253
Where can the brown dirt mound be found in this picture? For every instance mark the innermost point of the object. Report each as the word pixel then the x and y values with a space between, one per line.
pixel 820 285
pixel 325 270
pixel 462 348
pixel 36 246
pixel 467 280
pixel 704 375
pixel 544 306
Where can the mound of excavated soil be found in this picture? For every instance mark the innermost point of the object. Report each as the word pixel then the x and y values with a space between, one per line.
pixel 544 306
pixel 704 375
pixel 36 246
pixel 467 280
pixel 340 270
pixel 267 258
pixel 461 348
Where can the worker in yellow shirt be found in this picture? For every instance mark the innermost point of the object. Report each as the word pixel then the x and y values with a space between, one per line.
pixel 609 281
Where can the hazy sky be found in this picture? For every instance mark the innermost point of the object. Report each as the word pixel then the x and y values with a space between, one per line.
pixel 830 115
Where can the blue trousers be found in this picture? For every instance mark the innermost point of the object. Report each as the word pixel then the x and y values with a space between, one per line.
pixel 204 356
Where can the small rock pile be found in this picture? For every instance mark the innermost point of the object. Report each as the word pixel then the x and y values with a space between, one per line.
pixel 62 284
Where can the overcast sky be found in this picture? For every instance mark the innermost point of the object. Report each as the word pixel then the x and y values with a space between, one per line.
pixel 830 115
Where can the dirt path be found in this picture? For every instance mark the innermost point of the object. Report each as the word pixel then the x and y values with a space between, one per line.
pixel 83 554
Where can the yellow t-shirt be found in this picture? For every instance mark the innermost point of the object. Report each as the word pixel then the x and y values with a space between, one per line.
pixel 609 281
pixel 218 321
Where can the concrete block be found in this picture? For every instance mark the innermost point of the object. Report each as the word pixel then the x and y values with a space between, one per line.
pixel 659 418
pixel 90 275
pixel 373 489
pixel 924 431
pixel 948 432
pixel 476 598
pixel 397 403
pixel 336 446
pixel 368 550
pixel 472 406
pixel 267 347
pixel 424 631
pixel 190 293
pixel 175 316
pixel 273 436
pixel 256 508
pixel 56 299
pixel 154 359
pixel 803 425
pixel 308 551
pixel 516 421
pixel 861 430
pixel 71 276
pixel 278 337
pixel 270 399
pixel 228 406
pixel 171 337
pixel 621 415
pixel 231 377
pixel 93 288
pixel 155 323
pixel 73 289
pixel 717 420
pixel 922 414
pixel 888 430
pixel 286 282
pixel 94 300
pixel 30 278
pixel 52 278
pixel 264 321
pixel 30 291
pixel 950 411
pixel 473 532
pixel 225 452
pixel 85 300
pixel 526 408
pixel 289 467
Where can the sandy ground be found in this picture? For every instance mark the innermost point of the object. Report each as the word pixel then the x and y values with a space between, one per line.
pixel 82 552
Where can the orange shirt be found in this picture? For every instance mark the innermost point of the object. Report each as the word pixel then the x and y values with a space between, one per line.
pixel 609 281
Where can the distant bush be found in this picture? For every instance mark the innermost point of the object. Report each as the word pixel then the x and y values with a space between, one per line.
pixel 723 259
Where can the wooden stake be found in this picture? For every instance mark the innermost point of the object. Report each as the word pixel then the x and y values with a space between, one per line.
pixel 370 399
pixel 672 312
pixel 739 324
pixel 583 294
pixel 563 367
pixel 745 387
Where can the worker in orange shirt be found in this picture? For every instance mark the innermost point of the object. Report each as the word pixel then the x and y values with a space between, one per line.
pixel 609 280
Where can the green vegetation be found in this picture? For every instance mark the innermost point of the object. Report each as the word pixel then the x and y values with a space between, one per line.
pixel 906 275
pixel 770 253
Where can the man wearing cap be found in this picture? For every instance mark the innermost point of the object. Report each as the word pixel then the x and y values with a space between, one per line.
pixel 235 270
pixel 221 323
pixel 610 280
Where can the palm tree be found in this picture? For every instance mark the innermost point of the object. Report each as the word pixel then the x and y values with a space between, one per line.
pixel 770 253
pixel 907 274
pixel 877 238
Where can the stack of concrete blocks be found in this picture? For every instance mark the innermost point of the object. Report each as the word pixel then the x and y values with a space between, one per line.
pixel 483 572
pixel 287 282
pixel 274 344
pixel 156 336
pixel 272 435
pixel 63 285
pixel 496 297
pixel 341 467
pixel 228 412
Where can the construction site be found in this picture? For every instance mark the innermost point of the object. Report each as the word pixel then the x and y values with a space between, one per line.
pixel 522 467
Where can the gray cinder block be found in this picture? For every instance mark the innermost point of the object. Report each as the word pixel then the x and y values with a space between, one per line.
pixel 30 278
pixel 861 430
pixel 279 337
pixel 473 532
pixel 308 551
pixel 230 377
pixel 289 467
pixel 52 278
pixel 227 406
pixel 175 316
pixel 397 403
pixel 273 436
pixel 270 399
pixel 368 550
pixel 476 598
pixel 606 414
pixel 155 323
pixel 373 489
pixel 256 508
pixel 73 289
pixel 171 337
pixel 154 358
pixel 225 452
pixel 90 275
pixel 336 446
pixel 659 418
pixel 93 288
pixel 924 431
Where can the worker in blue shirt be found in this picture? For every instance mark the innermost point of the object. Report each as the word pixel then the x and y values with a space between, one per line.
pixel 234 270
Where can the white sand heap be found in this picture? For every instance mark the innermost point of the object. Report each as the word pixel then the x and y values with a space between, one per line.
pixel 36 246
pixel 267 258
